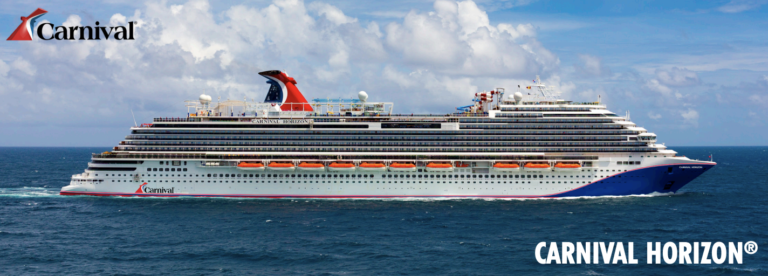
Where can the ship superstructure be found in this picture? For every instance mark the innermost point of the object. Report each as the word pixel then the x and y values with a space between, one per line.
pixel 503 145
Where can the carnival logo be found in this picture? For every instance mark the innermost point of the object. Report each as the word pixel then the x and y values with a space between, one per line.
pixel 143 189
pixel 24 31
pixel 139 191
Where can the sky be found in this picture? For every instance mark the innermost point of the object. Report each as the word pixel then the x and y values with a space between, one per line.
pixel 693 72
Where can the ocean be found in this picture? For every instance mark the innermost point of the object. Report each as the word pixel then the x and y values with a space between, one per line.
pixel 44 233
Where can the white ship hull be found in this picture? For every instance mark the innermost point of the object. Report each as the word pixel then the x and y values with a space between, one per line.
pixel 196 182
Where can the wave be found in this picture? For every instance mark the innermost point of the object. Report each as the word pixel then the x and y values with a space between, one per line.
pixel 29 192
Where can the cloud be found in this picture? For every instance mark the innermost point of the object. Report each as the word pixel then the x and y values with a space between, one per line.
pixel 591 66
pixel 655 85
pixel 388 14
pixel 331 13
pixel 24 66
pixel 690 116
pixel 457 39
pixel 425 62
pixel 677 77
pixel 653 115
pixel 506 4
pixel 737 6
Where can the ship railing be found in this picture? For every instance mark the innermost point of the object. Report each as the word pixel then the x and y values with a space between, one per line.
pixel 238 156
pixel 175 120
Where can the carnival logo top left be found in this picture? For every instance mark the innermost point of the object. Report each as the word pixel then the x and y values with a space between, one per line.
pixel 24 31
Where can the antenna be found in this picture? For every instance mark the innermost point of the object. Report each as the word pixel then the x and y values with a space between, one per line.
pixel 134 118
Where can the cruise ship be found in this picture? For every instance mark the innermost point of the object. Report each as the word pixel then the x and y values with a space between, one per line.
pixel 522 144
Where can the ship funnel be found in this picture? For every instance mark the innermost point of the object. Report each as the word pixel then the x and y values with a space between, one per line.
pixel 284 93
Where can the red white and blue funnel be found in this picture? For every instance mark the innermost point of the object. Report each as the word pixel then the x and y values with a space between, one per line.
pixel 284 93
pixel 24 31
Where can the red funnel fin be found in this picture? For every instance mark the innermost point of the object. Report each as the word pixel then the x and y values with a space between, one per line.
pixel 294 100
pixel 24 30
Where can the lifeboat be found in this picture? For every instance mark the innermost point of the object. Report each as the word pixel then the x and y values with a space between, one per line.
pixel 281 166
pixel 372 167
pixel 461 165
pixel 567 167
pixel 402 167
pixel 506 167
pixel 537 167
pixel 310 166
pixel 439 167
pixel 250 166
pixel 341 167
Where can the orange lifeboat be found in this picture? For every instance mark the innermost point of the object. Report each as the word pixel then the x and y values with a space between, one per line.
pixel 402 167
pixel 439 167
pixel 311 166
pixel 567 167
pixel 506 167
pixel 281 166
pixel 372 167
pixel 537 167
pixel 250 166
pixel 341 167
pixel 461 165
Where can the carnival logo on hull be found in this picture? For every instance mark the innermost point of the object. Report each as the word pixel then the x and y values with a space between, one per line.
pixel 25 33
pixel 143 189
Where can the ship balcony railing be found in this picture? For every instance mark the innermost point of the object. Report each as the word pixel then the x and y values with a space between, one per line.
pixel 262 140
pixel 362 156
pixel 149 150
pixel 164 120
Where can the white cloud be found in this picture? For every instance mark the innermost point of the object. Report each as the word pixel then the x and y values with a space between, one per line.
pixel 24 66
pixel 457 39
pixel 690 116
pixel 388 14
pixel 425 62
pixel 4 68
pixel 736 6
pixel 403 80
pixel 655 85
pixel 522 30
pixel 331 13
pixel 653 115
pixel 677 77
pixel 592 66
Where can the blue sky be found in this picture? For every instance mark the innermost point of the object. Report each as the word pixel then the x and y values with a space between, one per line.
pixel 692 72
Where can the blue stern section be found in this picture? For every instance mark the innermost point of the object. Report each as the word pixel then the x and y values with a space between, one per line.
pixel 659 179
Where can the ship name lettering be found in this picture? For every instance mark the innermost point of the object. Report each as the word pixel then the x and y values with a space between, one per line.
pixel 281 121
pixel 161 190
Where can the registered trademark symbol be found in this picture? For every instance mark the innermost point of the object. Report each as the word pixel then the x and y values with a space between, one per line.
pixel 750 247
